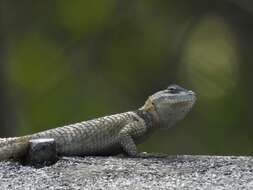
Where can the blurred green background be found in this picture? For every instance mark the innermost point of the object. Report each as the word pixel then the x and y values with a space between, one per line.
pixel 66 61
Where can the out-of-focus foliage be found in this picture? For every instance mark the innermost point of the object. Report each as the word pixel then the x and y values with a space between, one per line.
pixel 68 61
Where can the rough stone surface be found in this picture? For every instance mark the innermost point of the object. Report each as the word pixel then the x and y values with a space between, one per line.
pixel 164 172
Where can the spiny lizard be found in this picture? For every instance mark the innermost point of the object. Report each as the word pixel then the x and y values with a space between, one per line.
pixel 113 134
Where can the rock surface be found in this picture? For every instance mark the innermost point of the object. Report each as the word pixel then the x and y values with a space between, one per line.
pixel 164 172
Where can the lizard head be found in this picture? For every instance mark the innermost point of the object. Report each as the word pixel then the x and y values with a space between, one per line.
pixel 170 105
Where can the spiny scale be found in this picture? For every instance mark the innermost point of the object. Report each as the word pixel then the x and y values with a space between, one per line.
pixel 90 137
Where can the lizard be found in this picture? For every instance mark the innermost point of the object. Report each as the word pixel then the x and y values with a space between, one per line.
pixel 114 134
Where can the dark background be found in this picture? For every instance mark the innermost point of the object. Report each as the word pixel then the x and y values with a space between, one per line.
pixel 66 61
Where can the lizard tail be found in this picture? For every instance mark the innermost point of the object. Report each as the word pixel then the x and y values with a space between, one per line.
pixel 14 147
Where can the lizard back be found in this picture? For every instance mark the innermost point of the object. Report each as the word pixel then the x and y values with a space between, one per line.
pixel 93 137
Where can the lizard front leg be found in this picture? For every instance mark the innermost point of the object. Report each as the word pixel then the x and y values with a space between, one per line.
pixel 131 130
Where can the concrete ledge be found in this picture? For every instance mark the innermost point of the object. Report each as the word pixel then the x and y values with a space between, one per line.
pixel 164 172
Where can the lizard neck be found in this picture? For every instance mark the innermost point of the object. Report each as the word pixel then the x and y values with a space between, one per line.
pixel 149 119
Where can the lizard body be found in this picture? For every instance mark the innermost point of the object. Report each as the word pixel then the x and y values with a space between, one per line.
pixel 113 134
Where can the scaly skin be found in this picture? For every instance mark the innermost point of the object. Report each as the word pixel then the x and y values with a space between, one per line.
pixel 113 134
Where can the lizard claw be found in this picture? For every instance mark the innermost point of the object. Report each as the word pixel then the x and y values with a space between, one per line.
pixel 141 155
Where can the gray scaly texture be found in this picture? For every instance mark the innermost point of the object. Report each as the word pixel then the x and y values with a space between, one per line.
pixel 113 134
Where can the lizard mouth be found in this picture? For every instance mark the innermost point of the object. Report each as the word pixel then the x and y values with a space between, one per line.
pixel 185 99
pixel 182 103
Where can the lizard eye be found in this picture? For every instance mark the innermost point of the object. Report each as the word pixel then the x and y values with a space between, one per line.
pixel 173 89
